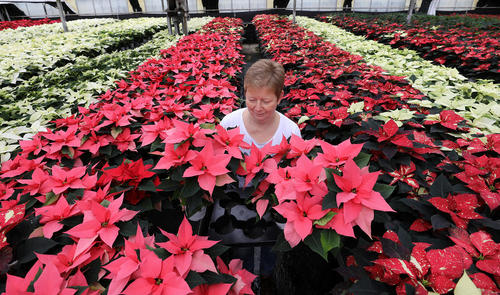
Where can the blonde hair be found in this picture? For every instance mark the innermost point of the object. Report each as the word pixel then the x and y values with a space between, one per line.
pixel 265 73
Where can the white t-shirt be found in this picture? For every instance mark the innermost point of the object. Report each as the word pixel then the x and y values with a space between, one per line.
pixel 286 127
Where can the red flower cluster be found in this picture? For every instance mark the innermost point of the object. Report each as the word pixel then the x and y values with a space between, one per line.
pixel 330 79
pixel 473 51
pixel 438 269
pixel 25 23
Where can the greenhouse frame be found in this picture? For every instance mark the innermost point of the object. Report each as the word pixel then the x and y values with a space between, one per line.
pixel 48 8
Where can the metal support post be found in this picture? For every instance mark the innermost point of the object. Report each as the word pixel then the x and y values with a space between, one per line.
pixel 62 16
pixel 410 11
pixel 45 10
pixel 2 18
pixel 110 7
pixel 294 9
pixel 77 8
pixel 169 23
pixel 27 9
pixel 7 13
pixel 185 17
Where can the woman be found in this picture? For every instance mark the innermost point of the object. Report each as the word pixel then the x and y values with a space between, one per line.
pixel 259 121
pixel 261 124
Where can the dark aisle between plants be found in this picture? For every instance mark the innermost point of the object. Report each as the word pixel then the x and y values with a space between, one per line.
pixel 298 270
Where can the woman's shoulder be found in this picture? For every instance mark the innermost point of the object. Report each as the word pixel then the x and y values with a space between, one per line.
pixel 288 123
pixel 232 119
pixel 288 126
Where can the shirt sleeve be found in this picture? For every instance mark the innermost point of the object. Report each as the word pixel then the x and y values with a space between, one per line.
pixel 296 131
pixel 229 121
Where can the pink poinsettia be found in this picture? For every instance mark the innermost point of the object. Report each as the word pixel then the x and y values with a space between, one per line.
pixel 230 141
pixel 254 163
pixel 49 282
pixel 300 216
pixel 157 277
pixel 53 214
pixel 187 250
pixel 208 166
pixel 336 155
pixel 174 155
pixel 99 221
pixel 358 197
pixel 244 278
pixel 65 261
pixel 127 266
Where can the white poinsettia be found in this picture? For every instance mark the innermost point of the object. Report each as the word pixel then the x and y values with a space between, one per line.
pixel 42 53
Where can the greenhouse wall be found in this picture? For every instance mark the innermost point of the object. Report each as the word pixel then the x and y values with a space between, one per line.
pixel 242 5
pixel 317 5
pixel 38 9
pixel 382 5
pixel 122 7
pixel 456 5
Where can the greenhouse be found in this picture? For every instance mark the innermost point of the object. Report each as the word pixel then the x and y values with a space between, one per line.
pixel 184 147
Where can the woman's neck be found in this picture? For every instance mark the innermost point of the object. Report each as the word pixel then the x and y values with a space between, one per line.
pixel 261 132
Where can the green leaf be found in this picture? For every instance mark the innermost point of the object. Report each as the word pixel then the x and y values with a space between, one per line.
pixel 303 119
pixel 148 186
pixel 169 185
pixel 68 151
pixel 362 159
pixel 322 241
pixel 157 145
pixel 193 204
pixel 329 239
pixel 214 278
pixel 80 289
pixel 31 286
pixel 384 189
pixel 190 187
pixel 207 126
pixel 105 203
pixel 161 253
pixel 115 131
pixel 194 279
pixel 329 201
pixel 26 251
pixel 50 198
pixel 325 219
pixel 281 245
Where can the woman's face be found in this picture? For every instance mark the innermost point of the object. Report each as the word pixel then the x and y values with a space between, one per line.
pixel 261 103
